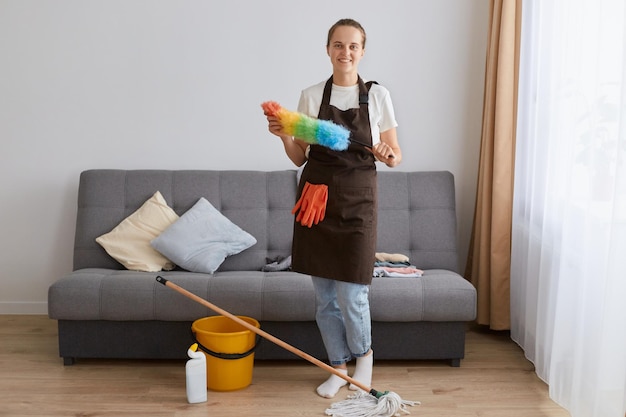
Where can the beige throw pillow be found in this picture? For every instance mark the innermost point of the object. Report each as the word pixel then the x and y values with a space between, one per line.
pixel 129 242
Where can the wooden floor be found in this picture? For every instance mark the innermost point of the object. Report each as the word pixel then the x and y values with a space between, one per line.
pixel 494 380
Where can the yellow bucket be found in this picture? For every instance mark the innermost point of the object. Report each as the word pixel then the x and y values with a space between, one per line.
pixel 229 350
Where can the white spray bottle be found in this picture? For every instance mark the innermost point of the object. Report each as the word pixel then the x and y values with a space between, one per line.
pixel 196 375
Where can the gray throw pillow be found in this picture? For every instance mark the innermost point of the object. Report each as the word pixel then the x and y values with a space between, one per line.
pixel 202 239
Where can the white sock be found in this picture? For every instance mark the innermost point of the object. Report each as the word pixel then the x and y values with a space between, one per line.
pixel 330 388
pixel 363 371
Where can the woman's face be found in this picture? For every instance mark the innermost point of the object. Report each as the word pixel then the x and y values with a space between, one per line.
pixel 346 49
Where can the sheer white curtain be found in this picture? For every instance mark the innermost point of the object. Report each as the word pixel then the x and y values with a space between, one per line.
pixel 568 269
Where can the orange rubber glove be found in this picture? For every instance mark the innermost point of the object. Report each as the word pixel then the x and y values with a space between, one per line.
pixel 312 204
pixel 301 201
pixel 316 210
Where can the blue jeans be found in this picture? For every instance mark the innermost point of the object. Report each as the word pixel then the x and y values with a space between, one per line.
pixel 343 317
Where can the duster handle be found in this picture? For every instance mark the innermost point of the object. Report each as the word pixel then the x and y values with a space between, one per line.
pixel 267 336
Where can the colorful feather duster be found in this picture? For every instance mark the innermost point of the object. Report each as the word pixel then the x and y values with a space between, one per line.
pixel 309 129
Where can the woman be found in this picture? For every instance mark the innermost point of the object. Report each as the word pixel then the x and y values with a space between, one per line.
pixel 339 251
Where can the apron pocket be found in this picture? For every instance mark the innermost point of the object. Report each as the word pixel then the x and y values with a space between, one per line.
pixel 354 207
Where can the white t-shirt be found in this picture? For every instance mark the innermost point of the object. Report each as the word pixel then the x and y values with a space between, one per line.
pixel 382 116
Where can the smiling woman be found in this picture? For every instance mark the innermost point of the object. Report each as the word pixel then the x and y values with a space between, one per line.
pixel 347 228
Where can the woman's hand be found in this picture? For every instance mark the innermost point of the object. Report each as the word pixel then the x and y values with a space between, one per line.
pixel 386 154
pixel 383 152
pixel 274 126
pixel 387 150
pixel 294 148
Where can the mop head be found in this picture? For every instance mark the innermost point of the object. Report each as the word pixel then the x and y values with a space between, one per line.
pixel 309 129
pixel 362 404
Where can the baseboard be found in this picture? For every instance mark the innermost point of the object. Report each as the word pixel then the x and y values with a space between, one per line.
pixel 24 307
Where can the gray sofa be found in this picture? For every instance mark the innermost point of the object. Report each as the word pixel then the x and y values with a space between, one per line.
pixel 106 311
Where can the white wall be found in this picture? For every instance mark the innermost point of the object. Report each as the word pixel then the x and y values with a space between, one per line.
pixel 178 84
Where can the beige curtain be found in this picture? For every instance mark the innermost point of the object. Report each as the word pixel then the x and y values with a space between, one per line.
pixel 489 258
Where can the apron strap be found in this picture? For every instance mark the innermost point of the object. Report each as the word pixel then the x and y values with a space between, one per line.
pixel 364 98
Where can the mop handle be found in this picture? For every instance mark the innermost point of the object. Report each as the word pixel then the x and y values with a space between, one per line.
pixel 266 335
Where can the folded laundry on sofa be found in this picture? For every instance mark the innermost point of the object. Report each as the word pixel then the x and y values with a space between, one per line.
pixel 403 272
pixel 391 257
pixel 279 263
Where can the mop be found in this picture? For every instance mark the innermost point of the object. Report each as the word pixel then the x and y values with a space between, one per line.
pixel 366 403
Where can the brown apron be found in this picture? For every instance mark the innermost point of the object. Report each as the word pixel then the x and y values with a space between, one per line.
pixel 343 245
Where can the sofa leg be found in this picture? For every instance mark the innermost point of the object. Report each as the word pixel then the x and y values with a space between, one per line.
pixel 69 360
pixel 455 362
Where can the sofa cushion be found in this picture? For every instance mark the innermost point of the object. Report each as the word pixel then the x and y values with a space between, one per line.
pixel 416 211
pixel 258 202
pixel 129 242
pixel 202 238
pixel 105 294
pixel 438 295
